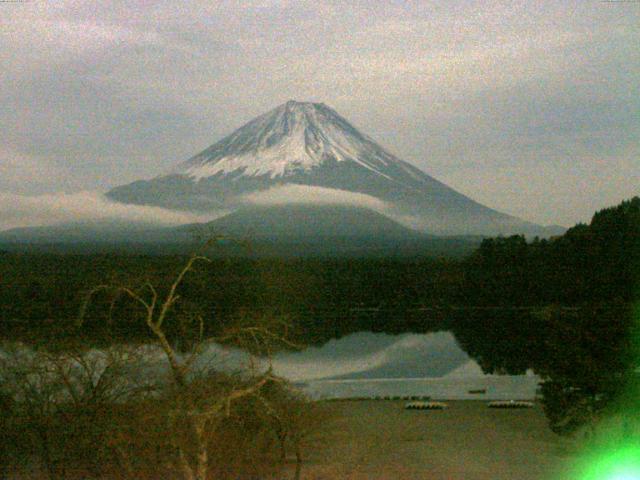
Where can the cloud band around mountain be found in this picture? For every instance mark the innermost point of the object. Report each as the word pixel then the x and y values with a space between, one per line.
pixel 306 195
pixel 56 208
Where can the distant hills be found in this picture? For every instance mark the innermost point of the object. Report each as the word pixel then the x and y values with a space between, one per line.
pixel 286 231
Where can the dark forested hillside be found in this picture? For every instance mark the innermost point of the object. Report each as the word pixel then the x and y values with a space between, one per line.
pixel 589 263
pixel 596 263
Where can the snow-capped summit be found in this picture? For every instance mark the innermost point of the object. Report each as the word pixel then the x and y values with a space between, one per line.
pixel 292 138
pixel 307 153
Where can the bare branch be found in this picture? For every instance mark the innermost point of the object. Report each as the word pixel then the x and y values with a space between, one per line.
pixel 172 297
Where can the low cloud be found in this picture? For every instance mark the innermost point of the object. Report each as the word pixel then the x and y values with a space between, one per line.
pixel 50 209
pixel 304 194
pixel 311 195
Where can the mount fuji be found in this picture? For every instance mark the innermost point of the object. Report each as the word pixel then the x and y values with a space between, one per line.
pixel 306 155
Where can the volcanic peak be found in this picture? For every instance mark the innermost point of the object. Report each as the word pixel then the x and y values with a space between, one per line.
pixel 293 137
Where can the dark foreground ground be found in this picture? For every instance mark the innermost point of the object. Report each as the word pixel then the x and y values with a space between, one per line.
pixel 381 440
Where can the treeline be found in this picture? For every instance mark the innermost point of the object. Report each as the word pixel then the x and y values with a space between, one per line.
pixel 322 297
pixel 589 263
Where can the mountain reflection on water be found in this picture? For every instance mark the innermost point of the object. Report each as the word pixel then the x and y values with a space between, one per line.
pixel 367 364
pixel 583 353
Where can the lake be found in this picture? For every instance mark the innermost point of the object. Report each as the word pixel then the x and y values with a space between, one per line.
pixel 359 365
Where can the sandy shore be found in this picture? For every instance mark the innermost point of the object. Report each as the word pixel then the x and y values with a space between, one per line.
pixel 380 440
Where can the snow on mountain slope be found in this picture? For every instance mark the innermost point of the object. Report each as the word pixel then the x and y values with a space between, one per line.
pixel 293 137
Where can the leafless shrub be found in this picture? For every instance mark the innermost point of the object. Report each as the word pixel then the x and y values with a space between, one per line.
pixel 61 406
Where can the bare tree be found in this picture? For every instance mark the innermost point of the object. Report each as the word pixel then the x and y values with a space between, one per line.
pixel 199 414
pixel 294 421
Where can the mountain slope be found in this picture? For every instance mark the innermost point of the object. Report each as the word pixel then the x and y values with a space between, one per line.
pixel 311 222
pixel 310 144
pixel 285 231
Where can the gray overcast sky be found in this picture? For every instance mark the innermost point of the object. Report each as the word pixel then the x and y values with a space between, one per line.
pixel 530 107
